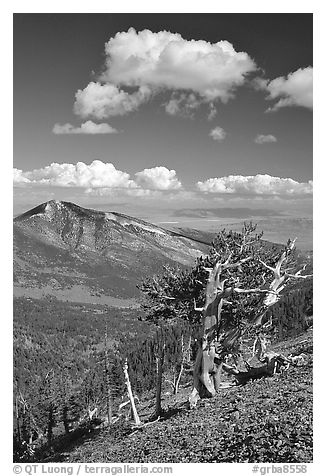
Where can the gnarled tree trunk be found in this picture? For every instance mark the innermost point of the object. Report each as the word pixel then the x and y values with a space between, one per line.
pixel 209 360
pixel 208 364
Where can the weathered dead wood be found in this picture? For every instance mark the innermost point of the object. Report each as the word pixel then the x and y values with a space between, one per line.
pixel 20 399
pixel 271 365
pixel 91 413
pixel 185 349
pixel 280 277
pixel 144 425
pixel 130 395
pixel 208 365
pixel 209 360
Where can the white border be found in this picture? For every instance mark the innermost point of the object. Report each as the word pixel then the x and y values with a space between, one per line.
pixel 168 6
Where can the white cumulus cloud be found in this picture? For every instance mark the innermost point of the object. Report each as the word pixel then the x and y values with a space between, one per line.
pixel 158 178
pixel 256 185
pixel 154 62
pixel 218 133
pixel 105 100
pixel 296 89
pixel 97 174
pixel 88 127
pixel 265 138
pixel 19 177
pixel 166 60
pixel 100 176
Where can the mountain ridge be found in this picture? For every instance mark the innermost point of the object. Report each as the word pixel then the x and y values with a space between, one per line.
pixel 112 215
pixel 59 245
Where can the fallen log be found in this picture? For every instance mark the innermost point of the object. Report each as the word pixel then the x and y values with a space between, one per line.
pixel 270 365
pixel 143 425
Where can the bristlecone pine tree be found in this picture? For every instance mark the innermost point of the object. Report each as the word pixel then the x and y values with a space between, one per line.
pixel 226 294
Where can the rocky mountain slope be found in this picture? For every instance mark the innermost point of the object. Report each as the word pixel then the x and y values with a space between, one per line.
pixel 268 420
pixel 84 255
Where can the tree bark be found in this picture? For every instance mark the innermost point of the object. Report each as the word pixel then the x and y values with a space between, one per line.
pixel 206 373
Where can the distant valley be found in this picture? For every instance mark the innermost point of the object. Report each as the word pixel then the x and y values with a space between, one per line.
pixel 277 228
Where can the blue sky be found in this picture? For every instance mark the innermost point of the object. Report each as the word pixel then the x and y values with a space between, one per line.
pixel 164 111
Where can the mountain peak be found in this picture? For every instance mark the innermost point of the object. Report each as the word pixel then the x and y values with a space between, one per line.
pixel 52 208
pixel 67 215
pixel 104 252
pixel 61 210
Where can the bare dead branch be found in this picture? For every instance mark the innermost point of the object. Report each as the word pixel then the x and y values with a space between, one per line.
pixel 143 425
pixel 237 264
pixel 226 263
pixel 284 255
pixel 267 266
pixel 298 273
pixel 299 276
pixel 255 290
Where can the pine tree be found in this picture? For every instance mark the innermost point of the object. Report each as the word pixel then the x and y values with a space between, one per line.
pixel 234 286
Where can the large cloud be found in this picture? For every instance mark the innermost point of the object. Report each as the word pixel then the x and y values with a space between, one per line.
pixel 294 90
pixel 166 60
pixel 158 178
pixel 153 62
pixel 255 185
pixel 88 127
pixel 99 175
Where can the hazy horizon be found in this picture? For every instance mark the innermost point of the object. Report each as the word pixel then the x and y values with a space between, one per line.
pixel 278 226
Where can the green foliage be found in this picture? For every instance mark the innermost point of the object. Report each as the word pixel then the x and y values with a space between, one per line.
pixel 142 355
pixel 290 315
pixel 59 364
